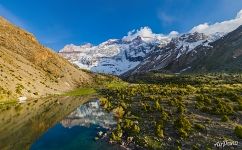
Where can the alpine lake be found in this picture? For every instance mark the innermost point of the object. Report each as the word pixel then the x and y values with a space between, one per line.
pixel 56 123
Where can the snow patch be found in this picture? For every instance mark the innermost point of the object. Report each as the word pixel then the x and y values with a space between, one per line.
pixel 239 14
pixel 219 27
pixel 183 70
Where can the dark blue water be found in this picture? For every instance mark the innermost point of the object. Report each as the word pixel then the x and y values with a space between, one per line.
pixel 78 130
pixel 75 138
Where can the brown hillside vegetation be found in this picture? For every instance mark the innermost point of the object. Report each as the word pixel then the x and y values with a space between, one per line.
pixel 27 68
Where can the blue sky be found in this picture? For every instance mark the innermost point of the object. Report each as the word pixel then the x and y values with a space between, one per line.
pixel 59 22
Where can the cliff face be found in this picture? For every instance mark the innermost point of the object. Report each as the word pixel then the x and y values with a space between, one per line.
pixel 27 68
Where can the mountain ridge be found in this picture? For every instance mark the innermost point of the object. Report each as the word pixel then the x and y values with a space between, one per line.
pixel 114 56
pixel 29 69
pixel 144 51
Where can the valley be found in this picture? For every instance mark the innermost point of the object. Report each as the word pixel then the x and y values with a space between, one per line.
pixel 178 91
pixel 153 111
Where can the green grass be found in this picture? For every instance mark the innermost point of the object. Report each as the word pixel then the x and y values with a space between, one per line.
pixel 117 84
pixel 7 103
pixel 81 92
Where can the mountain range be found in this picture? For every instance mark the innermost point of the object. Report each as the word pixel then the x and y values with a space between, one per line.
pixel 205 47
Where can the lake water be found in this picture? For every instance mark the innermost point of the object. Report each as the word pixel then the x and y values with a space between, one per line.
pixel 78 130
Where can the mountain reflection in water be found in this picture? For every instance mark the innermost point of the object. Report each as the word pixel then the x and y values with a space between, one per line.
pixel 88 114
pixel 78 130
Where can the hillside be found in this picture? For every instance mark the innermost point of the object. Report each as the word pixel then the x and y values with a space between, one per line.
pixel 29 69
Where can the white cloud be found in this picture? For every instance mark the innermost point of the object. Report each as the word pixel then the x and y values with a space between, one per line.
pixel 147 35
pixel 220 27
pixel 200 28
pixel 143 33
pixel 173 34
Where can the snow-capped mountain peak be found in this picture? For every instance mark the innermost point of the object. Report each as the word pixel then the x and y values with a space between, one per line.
pixel 73 48
pixel 110 42
pixel 219 28
pixel 115 56
pixel 239 14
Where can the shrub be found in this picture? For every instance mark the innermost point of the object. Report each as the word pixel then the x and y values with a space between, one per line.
pixel 181 109
pixel 117 134
pixel 128 124
pixel 159 131
pixel 182 133
pixel 239 107
pixel 191 88
pixel 157 105
pixel 18 107
pixel 225 118
pixel 183 126
pixel 119 112
pixel 130 127
pixel 234 97
pixel 238 131
pixel 195 147
pixel 105 103
pixel 222 108
pixel 124 105
pixel 19 88
pixel 199 127
pixel 164 116
pixel 136 129
pixel 204 99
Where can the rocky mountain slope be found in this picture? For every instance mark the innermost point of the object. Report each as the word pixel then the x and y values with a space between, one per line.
pixel 199 55
pixel 161 58
pixel 213 48
pixel 224 54
pixel 144 51
pixel 29 69
pixel 115 56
